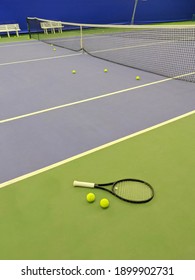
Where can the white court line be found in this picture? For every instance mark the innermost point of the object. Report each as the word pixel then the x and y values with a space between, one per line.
pixel 20 43
pixel 91 99
pixel 110 49
pixel 38 59
pixel 128 47
pixel 20 178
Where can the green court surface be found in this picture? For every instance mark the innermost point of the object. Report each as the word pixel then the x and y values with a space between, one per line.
pixel 45 217
pixel 14 38
pixel 23 37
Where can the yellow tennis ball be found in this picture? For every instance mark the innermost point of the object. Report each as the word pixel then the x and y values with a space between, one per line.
pixel 104 203
pixel 54 49
pixel 137 78
pixel 105 70
pixel 90 197
pixel 73 71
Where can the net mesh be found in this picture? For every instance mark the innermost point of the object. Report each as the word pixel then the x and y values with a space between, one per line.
pixel 133 190
pixel 164 50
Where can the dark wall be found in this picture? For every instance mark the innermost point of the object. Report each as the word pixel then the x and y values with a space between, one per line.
pixel 96 11
pixel 164 10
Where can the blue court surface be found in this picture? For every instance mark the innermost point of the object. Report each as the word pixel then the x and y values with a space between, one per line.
pixel 49 114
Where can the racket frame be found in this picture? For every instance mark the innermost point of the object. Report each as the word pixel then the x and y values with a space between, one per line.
pixel 112 191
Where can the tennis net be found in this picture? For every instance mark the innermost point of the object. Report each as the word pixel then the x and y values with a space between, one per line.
pixel 166 50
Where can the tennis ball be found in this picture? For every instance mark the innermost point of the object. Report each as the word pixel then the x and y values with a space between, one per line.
pixel 105 70
pixel 104 203
pixel 137 78
pixel 90 197
pixel 54 49
pixel 73 71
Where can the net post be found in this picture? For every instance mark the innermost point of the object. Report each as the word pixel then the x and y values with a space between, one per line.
pixel 81 37
pixel 28 27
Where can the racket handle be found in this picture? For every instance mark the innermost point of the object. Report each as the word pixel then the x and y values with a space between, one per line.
pixel 83 184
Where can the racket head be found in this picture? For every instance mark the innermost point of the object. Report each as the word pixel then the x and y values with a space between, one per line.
pixel 133 190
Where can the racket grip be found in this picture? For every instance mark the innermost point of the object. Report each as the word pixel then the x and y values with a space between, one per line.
pixel 83 184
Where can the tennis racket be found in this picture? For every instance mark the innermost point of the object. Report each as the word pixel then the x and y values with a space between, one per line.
pixel 130 190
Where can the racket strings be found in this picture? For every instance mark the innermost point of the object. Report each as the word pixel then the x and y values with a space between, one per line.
pixel 133 190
